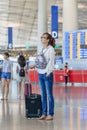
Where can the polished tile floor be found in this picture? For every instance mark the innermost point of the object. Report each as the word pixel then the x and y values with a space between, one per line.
pixel 70 110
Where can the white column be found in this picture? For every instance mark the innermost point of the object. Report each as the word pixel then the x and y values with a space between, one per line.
pixel 42 20
pixel 70 17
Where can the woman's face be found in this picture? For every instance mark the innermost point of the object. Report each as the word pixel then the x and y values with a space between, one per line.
pixel 44 39
pixel 5 57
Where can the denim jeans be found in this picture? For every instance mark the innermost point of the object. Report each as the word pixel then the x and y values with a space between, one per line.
pixel 46 88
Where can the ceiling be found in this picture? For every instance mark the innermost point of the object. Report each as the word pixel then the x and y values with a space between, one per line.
pixel 22 16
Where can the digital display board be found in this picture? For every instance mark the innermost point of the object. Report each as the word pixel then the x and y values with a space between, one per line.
pixel 75 45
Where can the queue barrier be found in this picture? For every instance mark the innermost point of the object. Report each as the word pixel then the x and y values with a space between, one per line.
pixel 75 76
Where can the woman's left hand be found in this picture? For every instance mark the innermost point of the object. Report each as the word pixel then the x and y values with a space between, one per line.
pixel 32 67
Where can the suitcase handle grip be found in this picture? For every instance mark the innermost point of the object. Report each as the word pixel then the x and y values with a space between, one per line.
pixel 33 96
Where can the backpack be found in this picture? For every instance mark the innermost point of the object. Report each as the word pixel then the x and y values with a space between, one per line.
pixel 22 72
pixel 40 61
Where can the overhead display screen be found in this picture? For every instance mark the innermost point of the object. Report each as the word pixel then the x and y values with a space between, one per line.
pixel 75 45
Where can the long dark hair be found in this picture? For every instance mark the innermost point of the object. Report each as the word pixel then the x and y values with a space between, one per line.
pixel 6 54
pixel 21 61
pixel 51 39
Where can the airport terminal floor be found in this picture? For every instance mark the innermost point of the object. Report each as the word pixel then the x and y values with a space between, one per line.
pixel 70 110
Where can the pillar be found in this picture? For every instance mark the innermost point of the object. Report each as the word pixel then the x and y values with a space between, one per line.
pixel 42 21
pixel 70 17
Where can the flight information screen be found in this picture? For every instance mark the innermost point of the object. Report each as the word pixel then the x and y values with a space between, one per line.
pixel 75 45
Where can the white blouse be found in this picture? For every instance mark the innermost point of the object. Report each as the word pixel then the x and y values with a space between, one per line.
pixel 49 54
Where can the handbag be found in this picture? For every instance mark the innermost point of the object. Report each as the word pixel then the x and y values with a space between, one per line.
pixel 40 61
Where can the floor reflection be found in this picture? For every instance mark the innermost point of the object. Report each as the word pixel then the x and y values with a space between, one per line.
pixel 5 109
pixel 70 111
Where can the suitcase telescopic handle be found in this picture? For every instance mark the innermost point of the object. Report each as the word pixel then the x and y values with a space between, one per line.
pixel 35 79
pixel 33 96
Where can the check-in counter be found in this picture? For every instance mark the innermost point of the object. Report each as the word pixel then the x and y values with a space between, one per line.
pixel 75 76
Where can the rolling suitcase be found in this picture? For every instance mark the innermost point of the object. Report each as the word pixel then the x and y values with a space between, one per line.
pixel 33 107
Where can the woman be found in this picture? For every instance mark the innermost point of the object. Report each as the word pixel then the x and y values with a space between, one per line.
pixel 21 70
pixel 6 75
pixel 46 77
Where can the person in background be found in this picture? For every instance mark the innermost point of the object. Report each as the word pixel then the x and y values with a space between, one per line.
pixel 66 64
pixel 6 75
pixel 66 75
pixel 46 77
pixel 21 70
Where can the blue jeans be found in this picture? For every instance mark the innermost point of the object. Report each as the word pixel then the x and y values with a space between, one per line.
pixel 46 88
